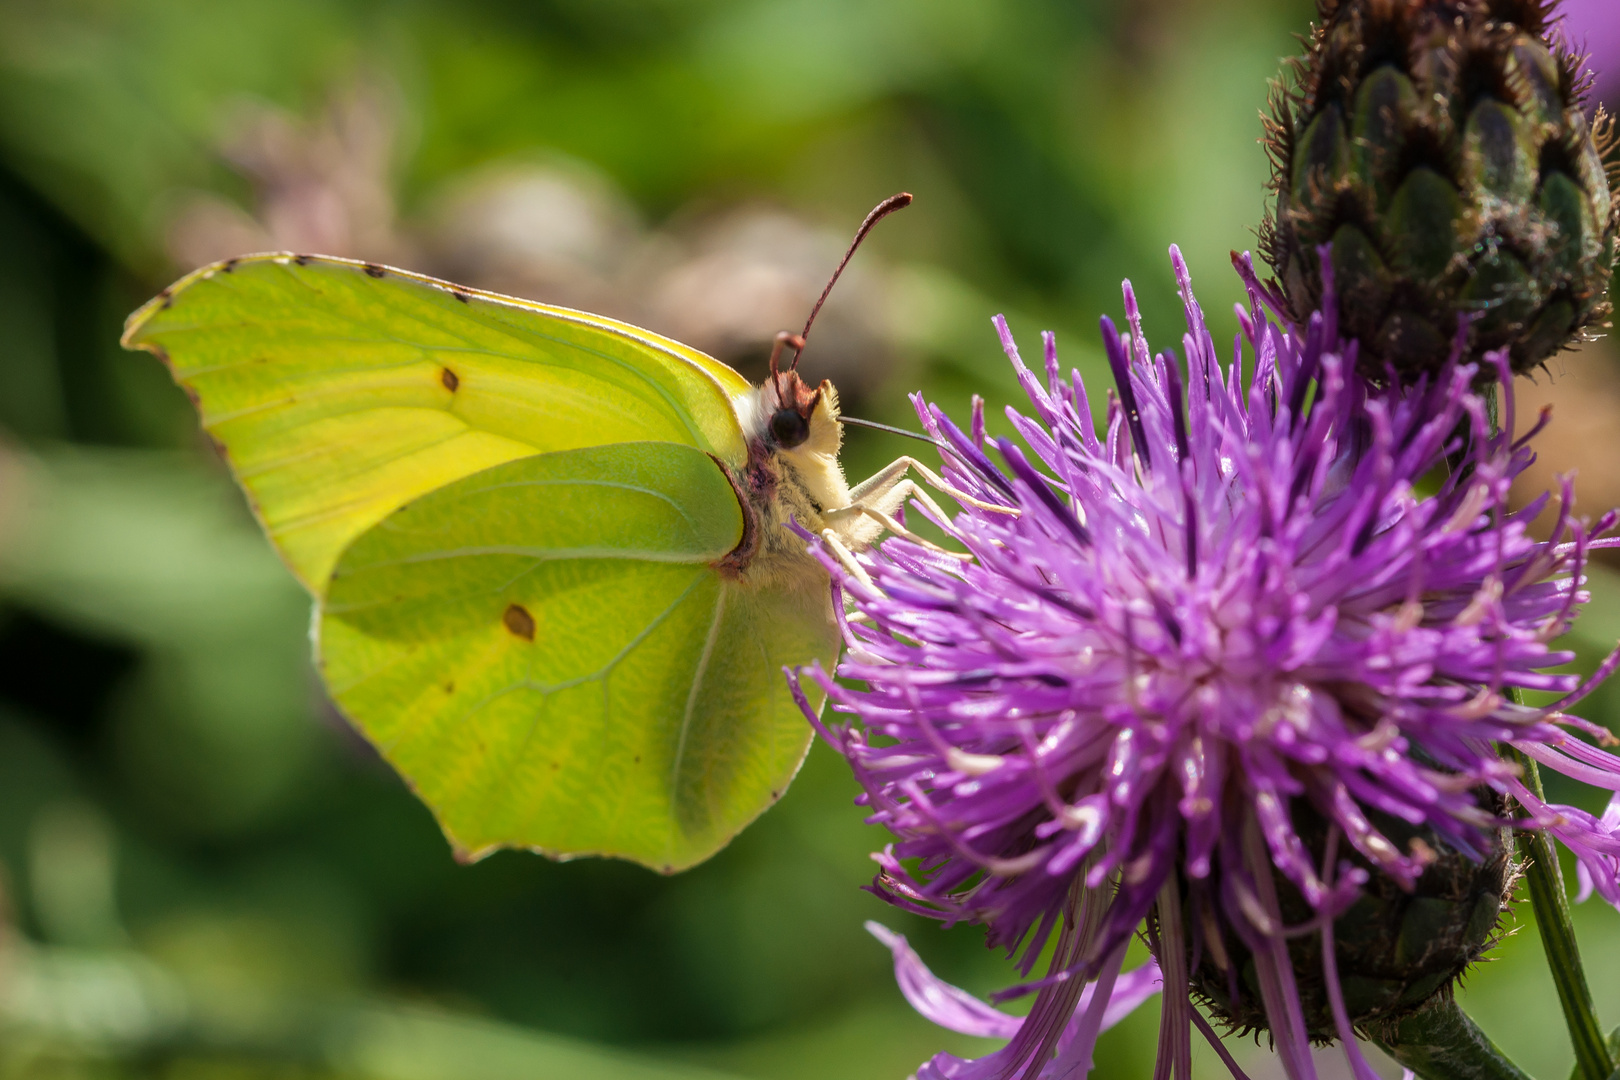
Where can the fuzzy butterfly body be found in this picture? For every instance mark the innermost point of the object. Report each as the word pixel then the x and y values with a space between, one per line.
pixel 552 575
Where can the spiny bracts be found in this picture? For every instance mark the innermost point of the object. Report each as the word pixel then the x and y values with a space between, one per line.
pixel 1397 947
pixel 1443 149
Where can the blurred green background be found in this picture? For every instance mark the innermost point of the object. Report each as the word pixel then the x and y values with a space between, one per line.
pixel 203 872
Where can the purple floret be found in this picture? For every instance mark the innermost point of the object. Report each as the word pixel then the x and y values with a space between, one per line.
pixel 1237 598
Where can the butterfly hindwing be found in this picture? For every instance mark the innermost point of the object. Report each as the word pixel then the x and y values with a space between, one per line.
pixel 547 651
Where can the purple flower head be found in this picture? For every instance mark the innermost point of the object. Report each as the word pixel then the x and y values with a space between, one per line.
pixel 1251 643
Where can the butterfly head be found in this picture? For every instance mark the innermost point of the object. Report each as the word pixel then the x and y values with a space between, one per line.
pixel 794 435
pixel 796 418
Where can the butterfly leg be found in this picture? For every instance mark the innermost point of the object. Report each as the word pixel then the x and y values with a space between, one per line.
pixel 842 553
pixel 894 472
pixel 880 507
pixel 879 497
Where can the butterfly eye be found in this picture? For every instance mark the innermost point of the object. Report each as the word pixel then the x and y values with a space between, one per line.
pixel 788 428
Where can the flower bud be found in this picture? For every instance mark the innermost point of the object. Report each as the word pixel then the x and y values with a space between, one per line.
pixel 1443 149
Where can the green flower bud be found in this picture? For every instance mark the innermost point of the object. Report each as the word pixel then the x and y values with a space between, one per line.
pixel 1442 147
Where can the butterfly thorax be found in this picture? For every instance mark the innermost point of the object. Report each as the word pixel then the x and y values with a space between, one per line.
pixel 792 475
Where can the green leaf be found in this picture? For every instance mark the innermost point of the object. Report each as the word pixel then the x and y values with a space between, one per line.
pixel 549 655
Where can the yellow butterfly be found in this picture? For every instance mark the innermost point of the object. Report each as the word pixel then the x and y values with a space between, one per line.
pixel 553 578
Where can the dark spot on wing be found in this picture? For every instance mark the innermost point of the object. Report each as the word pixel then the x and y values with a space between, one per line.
pixel 302 260
pixel 373 270
pixel 555 766
pixel 518 620
pixel 450 687
pixel 638 759
pixel 776 794
pixel 229 264
pixel 449 379
pixel 459 295
pixel 168 297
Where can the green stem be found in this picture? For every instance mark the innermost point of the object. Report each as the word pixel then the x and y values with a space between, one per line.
pixel 1440 1042
pixel 1551 905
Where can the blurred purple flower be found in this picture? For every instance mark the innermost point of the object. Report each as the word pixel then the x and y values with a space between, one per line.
pixel 1232 603
pixel 1592 27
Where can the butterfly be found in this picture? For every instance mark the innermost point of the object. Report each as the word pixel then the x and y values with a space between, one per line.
pixel 554 577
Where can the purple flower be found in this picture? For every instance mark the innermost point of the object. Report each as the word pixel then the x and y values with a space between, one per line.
pixel 1249 644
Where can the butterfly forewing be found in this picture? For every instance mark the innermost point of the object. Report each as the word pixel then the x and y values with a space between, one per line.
pixel 339 390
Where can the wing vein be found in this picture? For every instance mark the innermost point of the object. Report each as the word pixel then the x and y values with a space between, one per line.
pixel 691 702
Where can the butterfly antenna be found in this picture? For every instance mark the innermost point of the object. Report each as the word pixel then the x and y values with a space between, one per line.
pixel 875 426
pixel 879 212
pixel 784 339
